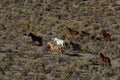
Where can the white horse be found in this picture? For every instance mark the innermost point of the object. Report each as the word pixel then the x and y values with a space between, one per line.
pixel 59 42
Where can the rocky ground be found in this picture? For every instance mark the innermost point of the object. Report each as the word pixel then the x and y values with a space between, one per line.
pixel 22 59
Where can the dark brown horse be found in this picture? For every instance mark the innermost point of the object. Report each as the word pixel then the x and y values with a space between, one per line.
pixel 85 33
pixel 106 35
pixel 75 46
pixel 105 59
pixel 72 32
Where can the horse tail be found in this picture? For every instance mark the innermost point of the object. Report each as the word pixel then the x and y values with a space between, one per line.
pixel 69 29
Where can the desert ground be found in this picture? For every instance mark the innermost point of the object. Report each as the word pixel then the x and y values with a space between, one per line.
pixel 23 59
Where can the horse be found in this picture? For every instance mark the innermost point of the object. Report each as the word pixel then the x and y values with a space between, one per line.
pixel 106 36
pixel 75 46
pixel 73 32
pixel 54 47
pixel 36 38
pixel 59 42
pixel 105 59
pixel 85 33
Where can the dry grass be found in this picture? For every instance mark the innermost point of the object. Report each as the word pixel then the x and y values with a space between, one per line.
pixel 22 59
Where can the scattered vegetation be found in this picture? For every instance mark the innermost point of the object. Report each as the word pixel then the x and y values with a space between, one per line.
pixel 20 59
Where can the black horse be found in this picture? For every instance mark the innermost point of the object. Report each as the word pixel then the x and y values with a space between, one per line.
pixel 36 38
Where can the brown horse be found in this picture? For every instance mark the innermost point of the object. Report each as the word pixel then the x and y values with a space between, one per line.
pixel 54 47
pixel 72 32
pixel 105 59
pixel 106 36
pixel 85 33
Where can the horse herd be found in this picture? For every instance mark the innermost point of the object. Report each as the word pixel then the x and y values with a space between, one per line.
pixel 58 43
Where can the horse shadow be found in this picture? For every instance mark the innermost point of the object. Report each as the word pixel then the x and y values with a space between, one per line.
pixel 73 55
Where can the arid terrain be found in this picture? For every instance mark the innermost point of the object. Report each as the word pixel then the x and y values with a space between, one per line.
pixel 23 59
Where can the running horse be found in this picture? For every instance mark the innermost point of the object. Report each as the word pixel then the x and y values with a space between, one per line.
pixel 85 33
pixel 36 38
pixel 106 35
pixel 72 32
pixel 54 47
pixel 75 46
pixel 105 59
pixel 59 42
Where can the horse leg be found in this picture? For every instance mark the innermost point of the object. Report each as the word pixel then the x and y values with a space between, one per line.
pixel 109 38
pixel 105 38
pixel 63 45
pixel 60 50
pixel 51 51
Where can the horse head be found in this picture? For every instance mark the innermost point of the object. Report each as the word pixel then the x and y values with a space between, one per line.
pixel 55 39
pixel 30 34
pixel 48 43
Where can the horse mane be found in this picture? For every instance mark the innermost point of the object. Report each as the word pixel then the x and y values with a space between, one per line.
pixel 103 31
pixel 83 31
pixel 101 55
pixel 69 29
pixel 31 34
